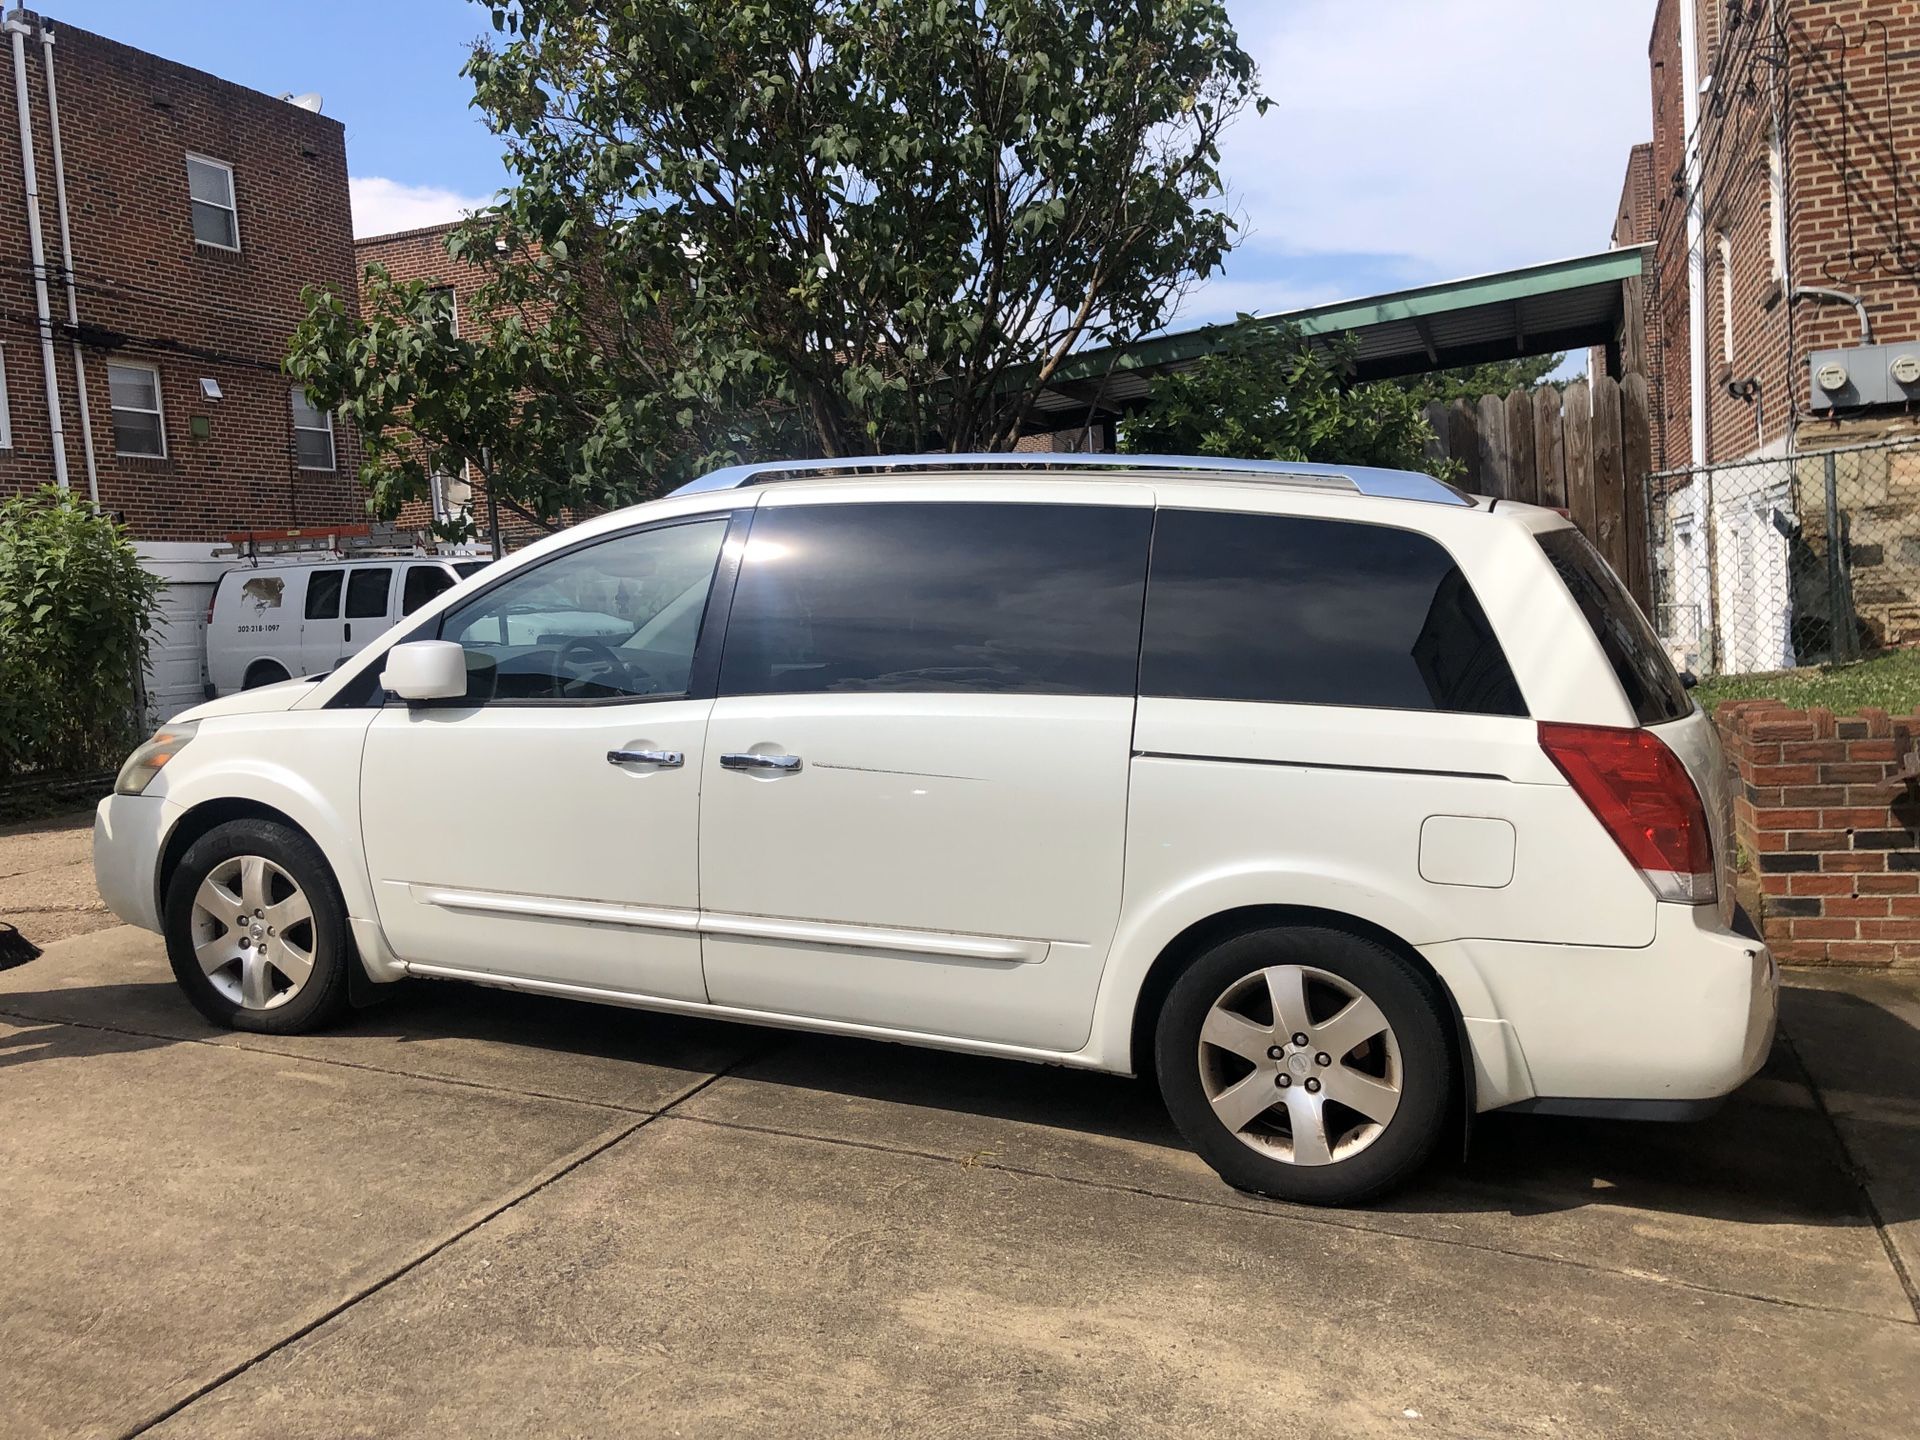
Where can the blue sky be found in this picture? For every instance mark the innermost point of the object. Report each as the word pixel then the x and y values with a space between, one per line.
pixel 1440 138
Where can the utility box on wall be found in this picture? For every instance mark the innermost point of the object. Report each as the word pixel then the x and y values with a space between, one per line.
pixel 1864 375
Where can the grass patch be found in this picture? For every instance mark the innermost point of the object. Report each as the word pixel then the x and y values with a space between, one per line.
pixel 1889 680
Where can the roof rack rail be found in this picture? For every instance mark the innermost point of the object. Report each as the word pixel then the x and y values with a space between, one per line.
pixel 1359 480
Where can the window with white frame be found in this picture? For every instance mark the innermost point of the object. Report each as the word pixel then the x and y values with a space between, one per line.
pixel 6 405
pixel 139 427
pixel 216 221
pixel 312 434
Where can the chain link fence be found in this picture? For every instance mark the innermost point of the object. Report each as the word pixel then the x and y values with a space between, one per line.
pixel 1790 560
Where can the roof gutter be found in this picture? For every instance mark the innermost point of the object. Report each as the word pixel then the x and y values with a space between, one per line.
pixel 17 27
pixel 1696 234
pixel 66 267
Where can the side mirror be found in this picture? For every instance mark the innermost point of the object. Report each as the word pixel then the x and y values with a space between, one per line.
pixel 426 670
pixel 1688 679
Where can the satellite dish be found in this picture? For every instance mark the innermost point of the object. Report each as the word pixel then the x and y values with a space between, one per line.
pixel 311 100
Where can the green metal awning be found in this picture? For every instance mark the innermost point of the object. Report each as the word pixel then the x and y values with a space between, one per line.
pixel 1534 310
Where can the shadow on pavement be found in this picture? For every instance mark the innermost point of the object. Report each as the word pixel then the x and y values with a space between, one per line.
pixel 1769 1157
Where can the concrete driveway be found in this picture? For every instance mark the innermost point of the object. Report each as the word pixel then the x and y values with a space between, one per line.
pixel 474 1213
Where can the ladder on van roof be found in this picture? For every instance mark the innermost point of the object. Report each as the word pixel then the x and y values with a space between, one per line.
pixel 333 542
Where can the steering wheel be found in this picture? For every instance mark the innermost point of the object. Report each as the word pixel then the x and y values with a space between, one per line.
pixel 603 665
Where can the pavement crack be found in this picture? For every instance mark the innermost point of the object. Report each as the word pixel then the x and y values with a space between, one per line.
pixel 1298 1214
pixel 559 1170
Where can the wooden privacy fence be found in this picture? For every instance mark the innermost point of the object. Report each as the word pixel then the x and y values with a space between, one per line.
pixel 1586 450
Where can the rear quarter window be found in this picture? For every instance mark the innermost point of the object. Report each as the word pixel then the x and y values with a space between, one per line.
pixel 1646 675
pixel 1292 610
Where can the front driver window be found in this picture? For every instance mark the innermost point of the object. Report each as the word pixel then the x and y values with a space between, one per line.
pixel 618 619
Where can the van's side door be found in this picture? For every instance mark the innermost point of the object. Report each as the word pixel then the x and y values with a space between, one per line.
pixel 369 608
pixel 544 826
pixel 321 633
pixel 914 807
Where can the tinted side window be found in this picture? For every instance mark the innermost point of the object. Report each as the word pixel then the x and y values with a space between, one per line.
pixel 1652 686
pixel 423 583
pixel 1316 612
pixel 616 619
pixel 1041 599
pixel 367 593
pixel 323 595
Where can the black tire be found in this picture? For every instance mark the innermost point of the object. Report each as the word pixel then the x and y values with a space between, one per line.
pixel 322 997
pixel 264 672
pixel 1426 1072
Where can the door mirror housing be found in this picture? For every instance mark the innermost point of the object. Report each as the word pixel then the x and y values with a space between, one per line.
pixel 426 670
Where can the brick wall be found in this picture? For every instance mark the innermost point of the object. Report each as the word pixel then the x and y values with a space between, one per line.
pixel 1840 81
pixel 1633 225
pixel 147 292
pixel 1833 837
pixel 421 254
pixel 1667 339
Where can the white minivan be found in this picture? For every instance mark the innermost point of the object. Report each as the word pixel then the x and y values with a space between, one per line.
pixel 272 622
pixel 1345 804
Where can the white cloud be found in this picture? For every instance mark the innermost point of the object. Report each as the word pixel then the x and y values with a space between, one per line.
pixel 1468 135
pixel 382 206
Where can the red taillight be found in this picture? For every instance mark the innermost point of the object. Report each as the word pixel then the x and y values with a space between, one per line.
pixel 1643 797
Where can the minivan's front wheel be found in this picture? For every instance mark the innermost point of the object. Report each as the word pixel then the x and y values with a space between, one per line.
pixel 257 931
pixel 1306 1064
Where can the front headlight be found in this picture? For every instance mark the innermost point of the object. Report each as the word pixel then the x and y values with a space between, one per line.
pixel 147 761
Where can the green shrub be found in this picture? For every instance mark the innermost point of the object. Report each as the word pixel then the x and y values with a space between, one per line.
pixel 75 607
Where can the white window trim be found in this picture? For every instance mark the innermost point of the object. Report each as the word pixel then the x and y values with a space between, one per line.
pixel 6 403
pixel 333 452
pixel 1724 248
pixel 1776 204
pixel 232 207
pixel 159 412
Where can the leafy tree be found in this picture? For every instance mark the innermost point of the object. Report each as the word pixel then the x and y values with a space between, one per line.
pixel 848 226
pixel 75 607
pixel 1470 382
pixel 1269 394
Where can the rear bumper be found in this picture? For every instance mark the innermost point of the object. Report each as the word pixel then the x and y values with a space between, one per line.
pixel 1687 1018
pixel 127 834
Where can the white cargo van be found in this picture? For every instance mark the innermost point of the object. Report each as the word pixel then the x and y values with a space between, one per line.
pixel 271 622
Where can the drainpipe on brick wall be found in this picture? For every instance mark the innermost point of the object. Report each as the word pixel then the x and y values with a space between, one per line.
pixel 1696 232
pixel 66 266
pixel 17 27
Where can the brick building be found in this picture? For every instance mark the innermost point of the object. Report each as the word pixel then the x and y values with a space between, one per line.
pixel 178 218
pixel 1781 184
pixel 197 211
pixel 421 254
pixel 1778 197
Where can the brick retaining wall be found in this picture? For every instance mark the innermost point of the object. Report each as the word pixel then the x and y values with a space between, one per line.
pixel 1830 829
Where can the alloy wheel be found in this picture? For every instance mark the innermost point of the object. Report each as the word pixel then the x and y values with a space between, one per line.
pixel 253 932
pixel 1300 1065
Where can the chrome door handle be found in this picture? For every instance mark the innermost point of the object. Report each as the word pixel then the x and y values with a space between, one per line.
pixel 749 761
pixel 665 759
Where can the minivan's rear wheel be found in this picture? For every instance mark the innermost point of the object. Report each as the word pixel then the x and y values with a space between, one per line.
pixel 256 929
pixel 1307 1064
pixel 263 672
